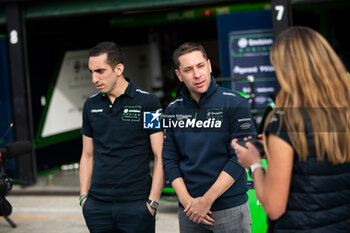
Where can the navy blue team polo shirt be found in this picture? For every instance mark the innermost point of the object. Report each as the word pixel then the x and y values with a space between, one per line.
pixel 122 148
pixel 199 154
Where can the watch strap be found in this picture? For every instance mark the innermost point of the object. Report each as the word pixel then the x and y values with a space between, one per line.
pixel 255 166
pixel 153 204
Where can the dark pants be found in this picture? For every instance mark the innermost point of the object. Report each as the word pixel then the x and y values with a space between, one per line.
pixel 118 217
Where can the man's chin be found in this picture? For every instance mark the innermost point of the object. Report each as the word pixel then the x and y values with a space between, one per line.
pixel 202 90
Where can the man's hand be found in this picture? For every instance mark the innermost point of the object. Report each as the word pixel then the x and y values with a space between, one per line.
pixel 152 211
pixel 198 211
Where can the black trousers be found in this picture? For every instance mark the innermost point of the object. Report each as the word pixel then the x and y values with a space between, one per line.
pixel 118 217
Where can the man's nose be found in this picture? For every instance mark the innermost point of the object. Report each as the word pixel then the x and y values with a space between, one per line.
pixel 196 73
pixel 94 78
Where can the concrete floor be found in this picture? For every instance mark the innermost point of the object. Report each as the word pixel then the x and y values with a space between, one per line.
pixel 52 214
pixel 52 205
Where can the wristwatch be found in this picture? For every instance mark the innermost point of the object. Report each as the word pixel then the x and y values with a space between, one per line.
pixel 153 204
pixel 253 167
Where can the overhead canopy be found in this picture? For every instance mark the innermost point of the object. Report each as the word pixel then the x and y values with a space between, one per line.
pixel 60 8
pixel 39 8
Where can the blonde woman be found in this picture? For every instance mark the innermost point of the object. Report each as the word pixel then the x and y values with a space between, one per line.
pixel 306 187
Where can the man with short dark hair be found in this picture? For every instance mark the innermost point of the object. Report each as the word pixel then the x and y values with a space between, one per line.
pixel 117 192
pixel 198 159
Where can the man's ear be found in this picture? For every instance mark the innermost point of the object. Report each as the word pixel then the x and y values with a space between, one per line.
pixel 209 64
pixel 177 72
pixel 119 69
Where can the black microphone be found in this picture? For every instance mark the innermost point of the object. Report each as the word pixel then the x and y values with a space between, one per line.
pixel 15 149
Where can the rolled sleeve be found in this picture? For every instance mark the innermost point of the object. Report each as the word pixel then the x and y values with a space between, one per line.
pixel 234 169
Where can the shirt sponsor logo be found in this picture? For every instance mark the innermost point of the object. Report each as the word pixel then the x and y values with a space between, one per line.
pixel 126 111
pixel 180 99
pixel 143 92
pixel 244 119
pixel 228 93
pixel 215 113
pixel 96 110
pixel 131 113
pixel 245 125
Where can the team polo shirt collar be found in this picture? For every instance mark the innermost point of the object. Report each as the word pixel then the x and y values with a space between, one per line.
pixel 213 86
pixel 129 91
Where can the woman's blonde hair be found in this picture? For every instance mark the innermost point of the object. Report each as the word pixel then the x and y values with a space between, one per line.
pixel 314 85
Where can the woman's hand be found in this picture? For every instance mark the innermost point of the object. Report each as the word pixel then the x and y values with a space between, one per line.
pixel 247 155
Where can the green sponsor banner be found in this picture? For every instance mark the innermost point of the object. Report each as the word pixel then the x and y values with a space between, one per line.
pixel 258 215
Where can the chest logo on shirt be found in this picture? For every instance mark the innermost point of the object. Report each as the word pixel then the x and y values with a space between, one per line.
pixel 131 113
pixel 215 114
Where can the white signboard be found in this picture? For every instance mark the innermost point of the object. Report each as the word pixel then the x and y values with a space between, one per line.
pixel 72 87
